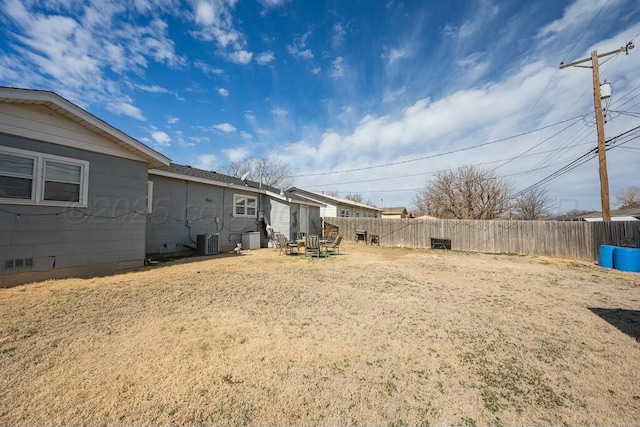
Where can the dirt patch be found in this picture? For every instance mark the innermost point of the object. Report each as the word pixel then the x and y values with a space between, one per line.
pixel 374 335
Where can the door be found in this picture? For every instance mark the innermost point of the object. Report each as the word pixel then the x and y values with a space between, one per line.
pixel 304 219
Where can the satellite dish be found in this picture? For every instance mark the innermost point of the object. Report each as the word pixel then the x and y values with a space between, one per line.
pixel 244 177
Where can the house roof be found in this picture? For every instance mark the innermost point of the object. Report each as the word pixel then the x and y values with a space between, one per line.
pixel 175 170
pixel 326 197
pixel 394 210
pixel 10 95
pixel 202 174
pixel 631 214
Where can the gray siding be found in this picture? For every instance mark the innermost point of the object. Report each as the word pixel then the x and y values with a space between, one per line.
pixel 280 217
pixel 314 220
pixel 183 209
pixel 110 231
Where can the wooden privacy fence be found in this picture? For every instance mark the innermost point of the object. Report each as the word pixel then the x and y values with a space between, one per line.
pixel 563 239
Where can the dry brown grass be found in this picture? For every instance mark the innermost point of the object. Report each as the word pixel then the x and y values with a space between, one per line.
pixel 375 336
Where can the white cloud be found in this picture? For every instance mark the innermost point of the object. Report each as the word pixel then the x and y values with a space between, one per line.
pixel 337 68
pixel 126 109
pixel 299 47
pixel 205 13
pixel 215 20
pixel 337 38
pixel 394 55
pixel 84 52
pixel 575 15
pixel 316 70
pixel 172 120
pixel 237 154
pixel 249 115
pixel 272 3
pixel 279 112
pixel 223 92
pixel 161 138
pixel 179 136
pixel 240 57
pixel 225 127
pixel 265 57
pixel 206 162
pixel 208 69
pixel 246 135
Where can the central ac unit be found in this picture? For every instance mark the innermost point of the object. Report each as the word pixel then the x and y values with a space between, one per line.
pixel 208 244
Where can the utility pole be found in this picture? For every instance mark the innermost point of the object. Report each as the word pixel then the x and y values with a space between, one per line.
pixel 597 104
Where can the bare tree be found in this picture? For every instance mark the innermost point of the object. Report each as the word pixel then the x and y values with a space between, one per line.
pixel 266 171
pixel 354 197
pixel 464 193
pixel 534 204
pixel 629 197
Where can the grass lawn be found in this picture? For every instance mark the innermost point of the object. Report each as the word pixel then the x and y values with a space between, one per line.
pixel 373 336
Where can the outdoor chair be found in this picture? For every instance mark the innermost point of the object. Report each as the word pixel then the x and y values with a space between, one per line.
pixel 291 245
pixel 312 245
pixel 285 245
pixel 333 246
pixel 275 238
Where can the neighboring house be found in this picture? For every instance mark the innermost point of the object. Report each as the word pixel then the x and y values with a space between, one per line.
pixel 336 206
pixel 73 190
pixel 631 214
pixel 187 202
pixel 397 212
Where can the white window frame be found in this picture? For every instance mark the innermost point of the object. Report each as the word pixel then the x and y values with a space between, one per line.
pixel 239 197
pixel 38 178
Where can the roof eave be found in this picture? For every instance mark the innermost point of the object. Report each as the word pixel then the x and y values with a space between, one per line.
pixel 56 102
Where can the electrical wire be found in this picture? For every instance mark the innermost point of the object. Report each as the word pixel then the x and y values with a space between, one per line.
pixel 614 142
pixel 535 146
pixel 434 171
pixel 431 156
pixel 585 31
pixel 589 155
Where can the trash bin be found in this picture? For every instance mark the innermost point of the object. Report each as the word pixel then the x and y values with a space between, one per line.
pixel 251 240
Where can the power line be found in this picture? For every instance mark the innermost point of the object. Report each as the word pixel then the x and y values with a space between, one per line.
pixel 437 154
pixel 437 171
pixel 585 31
pixel 535 146
pixel 589 155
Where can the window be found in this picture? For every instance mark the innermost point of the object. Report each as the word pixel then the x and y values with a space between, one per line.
pixel 35 178
pixel 344 213
pixel 244 206
pixel 16 176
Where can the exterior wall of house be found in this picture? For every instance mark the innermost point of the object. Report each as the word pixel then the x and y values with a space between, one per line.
pixel 314 223
pixel 182 209
pixel 355 212
pixel 280 218
pixel 39 242
pixel 41 123
pixel 329 211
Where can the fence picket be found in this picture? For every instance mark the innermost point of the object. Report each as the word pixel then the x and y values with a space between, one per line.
pixel 564 239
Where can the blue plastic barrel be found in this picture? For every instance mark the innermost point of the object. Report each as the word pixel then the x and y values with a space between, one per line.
pixel 627 259
pixel 605 259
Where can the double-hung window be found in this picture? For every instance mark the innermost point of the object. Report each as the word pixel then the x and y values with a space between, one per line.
pixel 244 206
pixel 27 177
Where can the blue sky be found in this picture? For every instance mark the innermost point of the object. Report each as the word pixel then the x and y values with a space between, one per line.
pixel 357 96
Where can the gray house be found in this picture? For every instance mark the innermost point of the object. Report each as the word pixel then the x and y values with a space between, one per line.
pixel 336 206
pixel 195 209
pixel 73 190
